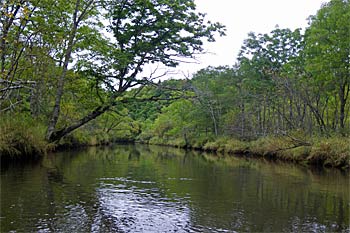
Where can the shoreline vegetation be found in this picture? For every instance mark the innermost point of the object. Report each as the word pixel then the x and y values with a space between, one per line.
pixel 23 140
pixel 322 152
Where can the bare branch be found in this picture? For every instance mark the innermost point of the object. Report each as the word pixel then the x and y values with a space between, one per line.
pixel 12 106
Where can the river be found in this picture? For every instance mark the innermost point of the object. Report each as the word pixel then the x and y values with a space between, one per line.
pixel 140 188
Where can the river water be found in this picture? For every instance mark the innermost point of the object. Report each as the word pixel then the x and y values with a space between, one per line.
pixel 139 188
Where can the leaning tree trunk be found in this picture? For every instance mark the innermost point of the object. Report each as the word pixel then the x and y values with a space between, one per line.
pixel 77 19
pixel 58 134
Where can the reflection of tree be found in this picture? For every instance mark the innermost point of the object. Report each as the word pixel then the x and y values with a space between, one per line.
pixel 208 191
pixel 134 154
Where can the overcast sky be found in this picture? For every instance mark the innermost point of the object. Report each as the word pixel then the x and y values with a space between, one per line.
pixel 243 16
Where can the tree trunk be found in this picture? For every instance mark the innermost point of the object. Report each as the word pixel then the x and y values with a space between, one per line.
pixel 57 107
pixel 215 124
pixel 343 97
pixel 58 134
pixel 242 119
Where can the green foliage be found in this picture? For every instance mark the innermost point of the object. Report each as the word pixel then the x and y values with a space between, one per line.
pixel 175 121
pixel 216 92
pixel 21 137
pixel 327 54
pixel 327 41
pixel 160 29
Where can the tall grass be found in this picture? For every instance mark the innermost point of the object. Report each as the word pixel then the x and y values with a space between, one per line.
pixel 329 152
pixel 21 137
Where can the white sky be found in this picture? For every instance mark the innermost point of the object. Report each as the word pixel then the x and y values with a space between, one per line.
pixel 243 16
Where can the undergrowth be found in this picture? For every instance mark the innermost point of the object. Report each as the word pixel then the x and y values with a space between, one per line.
pixel 21 136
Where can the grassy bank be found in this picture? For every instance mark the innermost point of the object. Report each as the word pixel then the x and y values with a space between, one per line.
pixel 21 138
pixel 24 138
pixel 325 152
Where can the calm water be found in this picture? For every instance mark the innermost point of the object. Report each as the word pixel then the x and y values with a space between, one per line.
pixel 139 188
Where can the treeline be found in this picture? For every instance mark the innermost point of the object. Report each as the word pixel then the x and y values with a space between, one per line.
pixel 288 93
pixel 64 82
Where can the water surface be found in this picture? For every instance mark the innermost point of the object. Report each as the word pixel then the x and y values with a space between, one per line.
pixel 138 188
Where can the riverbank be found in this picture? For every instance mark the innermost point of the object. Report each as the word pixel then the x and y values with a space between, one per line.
pixel 22 140
pixel 323 152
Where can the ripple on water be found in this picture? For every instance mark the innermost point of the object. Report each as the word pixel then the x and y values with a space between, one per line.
pixel 134 209
pixel 126 180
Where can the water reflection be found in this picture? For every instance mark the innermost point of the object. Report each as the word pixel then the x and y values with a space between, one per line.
pixel 131 209
pixel 139 188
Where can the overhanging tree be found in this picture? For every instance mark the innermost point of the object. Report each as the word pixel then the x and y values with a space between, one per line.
pixel 144 31
pixel 80 11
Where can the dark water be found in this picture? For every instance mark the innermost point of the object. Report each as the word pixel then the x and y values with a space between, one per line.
pixel 138 188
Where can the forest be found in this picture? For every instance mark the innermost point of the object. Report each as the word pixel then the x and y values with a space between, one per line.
pixel 72 75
